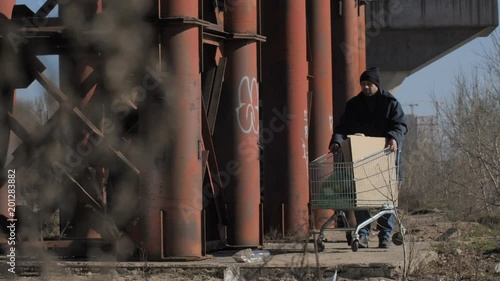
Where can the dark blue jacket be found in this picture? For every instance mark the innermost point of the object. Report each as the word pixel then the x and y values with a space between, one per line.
pixel 380 115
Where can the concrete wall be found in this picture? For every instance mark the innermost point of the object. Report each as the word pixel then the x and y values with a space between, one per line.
pixel 405 35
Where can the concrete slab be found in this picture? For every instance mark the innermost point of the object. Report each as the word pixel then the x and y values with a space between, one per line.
pixel 403 36
pixel 287 260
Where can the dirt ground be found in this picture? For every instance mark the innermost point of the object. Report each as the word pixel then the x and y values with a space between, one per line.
pixel 462 251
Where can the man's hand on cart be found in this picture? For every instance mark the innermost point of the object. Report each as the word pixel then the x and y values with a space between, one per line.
pixel 334 147
pixel 392 144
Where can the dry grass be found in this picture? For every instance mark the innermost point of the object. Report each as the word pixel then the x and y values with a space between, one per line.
pixel 470 256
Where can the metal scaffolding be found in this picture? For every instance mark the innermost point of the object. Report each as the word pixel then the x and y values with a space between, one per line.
pixel 179 127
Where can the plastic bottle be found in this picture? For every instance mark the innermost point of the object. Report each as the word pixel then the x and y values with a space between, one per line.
pixel 257 256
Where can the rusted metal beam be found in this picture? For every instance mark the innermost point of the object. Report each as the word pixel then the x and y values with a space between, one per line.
pixel 46 8
pixel 73 180
pixel 51 88
pixel 362 36
pixel 213 106
pixel 321 122
pixel 40 135
pixel 211 95
pixel 213 170
pixel 213 167
pixel 120 156
pixel 169 21
pixel 285 135
pixel 207 86
pixel 18 129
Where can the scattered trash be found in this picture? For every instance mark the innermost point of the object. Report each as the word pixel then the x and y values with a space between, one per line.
pixel 497 268
pixel 249 256
pixel 232 273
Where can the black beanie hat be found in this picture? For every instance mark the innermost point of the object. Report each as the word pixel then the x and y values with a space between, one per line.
pixel 371 75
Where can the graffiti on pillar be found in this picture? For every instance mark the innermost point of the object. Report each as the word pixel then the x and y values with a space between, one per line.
pixel 306 126
pixel 305 155
pixel 306 136
pixel 247 111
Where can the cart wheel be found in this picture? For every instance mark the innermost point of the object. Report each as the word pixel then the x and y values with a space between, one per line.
pixel 355 245
pixel 321 245
pixel 397 239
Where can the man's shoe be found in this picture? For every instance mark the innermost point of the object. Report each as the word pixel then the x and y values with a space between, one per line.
pixel 363 242
pixel 384 243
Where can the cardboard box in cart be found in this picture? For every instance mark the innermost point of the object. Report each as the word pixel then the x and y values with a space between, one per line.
pixel 374 177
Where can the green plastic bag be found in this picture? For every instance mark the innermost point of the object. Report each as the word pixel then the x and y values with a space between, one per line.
pixel 338 190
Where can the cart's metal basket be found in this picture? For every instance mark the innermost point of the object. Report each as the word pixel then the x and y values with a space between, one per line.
pixel 364 184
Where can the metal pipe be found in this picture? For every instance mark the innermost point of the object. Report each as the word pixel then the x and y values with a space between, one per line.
pixel 6 7
pixel 362 36
pixel 345 54
pixel 238 133
pixel 285 117
pixel 179 168
pixel 321 123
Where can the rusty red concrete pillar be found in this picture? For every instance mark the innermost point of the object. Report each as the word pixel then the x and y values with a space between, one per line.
pixel 362 36
pixel 179 168
pixel 7 98
pixel 237 133
pixel 321 123
pixel 284 135
pixel 345 48
pixel 6 7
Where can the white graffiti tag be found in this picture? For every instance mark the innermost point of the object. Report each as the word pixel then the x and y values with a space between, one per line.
pixel 306 153
pixel 247 112
pixel 306 126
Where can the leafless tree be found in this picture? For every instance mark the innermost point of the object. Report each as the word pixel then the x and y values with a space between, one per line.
pixel 458 168
pixel 471 126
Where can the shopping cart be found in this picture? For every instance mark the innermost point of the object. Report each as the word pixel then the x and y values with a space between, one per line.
pixel 370 183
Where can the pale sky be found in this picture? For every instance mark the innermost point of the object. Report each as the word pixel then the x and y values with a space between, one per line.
pixel 438 78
